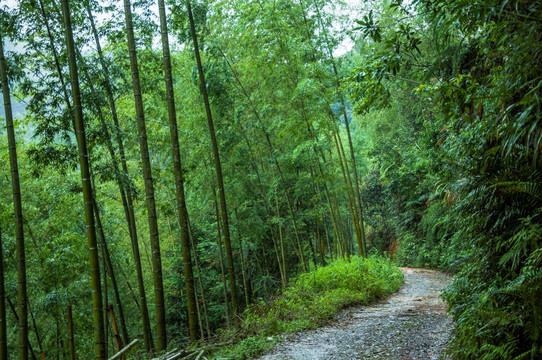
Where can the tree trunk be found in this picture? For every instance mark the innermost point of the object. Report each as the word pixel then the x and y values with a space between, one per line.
pixel 161 336
pixel 200 283
pixel 16 316
pixel 116 335
pixel 243 265
pixel 222 272
pixel 70 333
pixel 362 240
pixel 356 205
pixel 3 327
pixel 106 133
pixel 341 238
pixel 126 194
pixel 218 166
pixel 38 338
pixel 109 267
pixel 357 215
pixel 99 340
pixel 17 205
pixel 349 190
pixel 282 245
pixel 182 213
pixel 106 298
pixel 125 191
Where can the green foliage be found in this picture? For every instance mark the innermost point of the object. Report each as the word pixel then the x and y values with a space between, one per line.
pixel 270 72
pixel 313 299
pixel 248 348
pixel 475 207
pixel 447 132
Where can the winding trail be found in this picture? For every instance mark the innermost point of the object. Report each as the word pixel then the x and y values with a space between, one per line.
pixel 411 324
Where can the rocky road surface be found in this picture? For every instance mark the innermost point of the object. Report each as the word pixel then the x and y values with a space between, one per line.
pixel 411 324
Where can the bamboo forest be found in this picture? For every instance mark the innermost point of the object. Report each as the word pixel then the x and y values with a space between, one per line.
pixel 271 179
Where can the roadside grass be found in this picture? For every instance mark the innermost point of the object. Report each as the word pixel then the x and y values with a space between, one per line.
pixel 310 301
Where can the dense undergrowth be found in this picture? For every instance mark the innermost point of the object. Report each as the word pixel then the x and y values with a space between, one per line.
pixel 450 100
pixel 311 300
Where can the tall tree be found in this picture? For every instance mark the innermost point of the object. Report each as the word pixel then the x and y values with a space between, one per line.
pixel 125 191
pixel 149 186
pixel 182 213
pixel 99 333
pixel 108 268
pixel 18 211
pixel 218 165
pixel 362 247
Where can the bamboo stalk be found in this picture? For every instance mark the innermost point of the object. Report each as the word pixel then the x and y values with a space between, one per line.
pixel 222 270
pixel 218 165
pixel 126 195
pixel 70 333
pixel 116 335
pixel 200 283
pixel 99 339
pixel 3 327
pixel 124 350
pixel 160 311
pixel 18 212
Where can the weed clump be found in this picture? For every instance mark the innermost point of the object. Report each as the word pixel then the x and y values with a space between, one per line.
pixel 313 299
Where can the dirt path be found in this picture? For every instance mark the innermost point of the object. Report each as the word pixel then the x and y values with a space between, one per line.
pixel 409 325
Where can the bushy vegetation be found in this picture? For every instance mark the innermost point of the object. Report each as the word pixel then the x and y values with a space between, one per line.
pixel 423 141
pixel 456 142
pixel 312 299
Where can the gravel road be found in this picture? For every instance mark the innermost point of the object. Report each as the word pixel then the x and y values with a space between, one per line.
pixel 411 324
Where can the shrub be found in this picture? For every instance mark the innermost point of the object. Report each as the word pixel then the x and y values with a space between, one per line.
pixel 313 299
